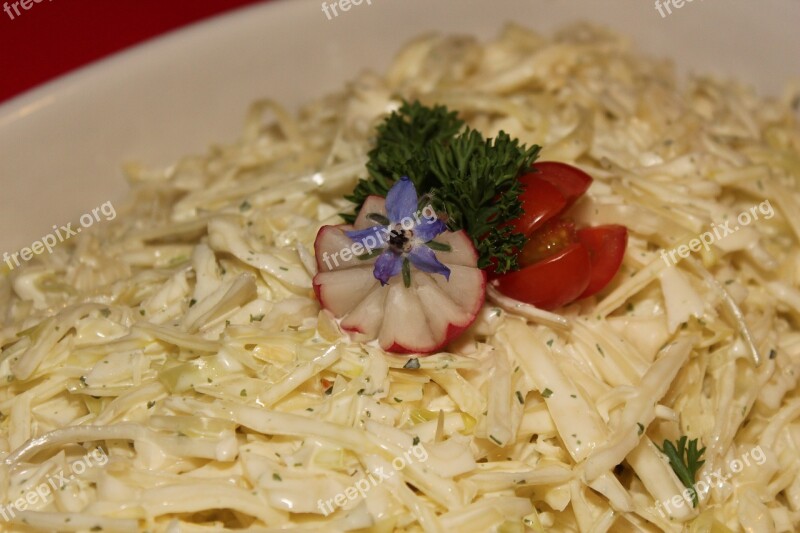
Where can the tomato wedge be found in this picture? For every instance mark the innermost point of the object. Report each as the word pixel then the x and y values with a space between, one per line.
pixel 541 201
pixel 606 248
pixel 548 192
pixel 571 182
pixel 552 282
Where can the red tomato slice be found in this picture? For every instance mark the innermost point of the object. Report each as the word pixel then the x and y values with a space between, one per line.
pixel 606 247
pixel 541 201
pixel 552 282
pixel 548 192
pixel 571 182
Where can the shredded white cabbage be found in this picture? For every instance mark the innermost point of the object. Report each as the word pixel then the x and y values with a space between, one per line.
pixel 184 338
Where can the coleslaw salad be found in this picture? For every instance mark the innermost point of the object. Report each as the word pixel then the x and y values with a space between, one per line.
pixel 185 338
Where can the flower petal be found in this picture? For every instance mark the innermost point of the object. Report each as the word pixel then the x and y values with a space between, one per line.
pixel 427 230
pixel 371 238
pixel 388 264
pixel 424 259
pixel 401 201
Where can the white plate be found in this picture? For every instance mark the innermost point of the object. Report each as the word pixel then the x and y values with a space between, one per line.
pixel 62 144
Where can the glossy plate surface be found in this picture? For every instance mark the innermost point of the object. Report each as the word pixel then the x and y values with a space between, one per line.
pixel 61 145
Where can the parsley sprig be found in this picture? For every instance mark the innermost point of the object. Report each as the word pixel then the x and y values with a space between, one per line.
pixel 469 180
pixel 685 461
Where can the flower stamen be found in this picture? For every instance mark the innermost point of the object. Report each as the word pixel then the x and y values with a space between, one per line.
pixel 400 240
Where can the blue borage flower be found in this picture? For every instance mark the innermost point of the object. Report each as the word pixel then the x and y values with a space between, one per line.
pixel 408 237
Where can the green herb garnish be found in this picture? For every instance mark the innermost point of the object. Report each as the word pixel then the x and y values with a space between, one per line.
pixel 685 461
pixel 439 246
pixel 380 219
pixel 370 255
pixel 406 273
pixel 469 180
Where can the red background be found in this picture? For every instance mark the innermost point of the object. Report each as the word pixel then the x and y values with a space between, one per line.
pixel 56 36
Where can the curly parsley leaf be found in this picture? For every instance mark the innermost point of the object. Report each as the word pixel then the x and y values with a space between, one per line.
pixel 685 462
pixel 471 181
pixel 401 150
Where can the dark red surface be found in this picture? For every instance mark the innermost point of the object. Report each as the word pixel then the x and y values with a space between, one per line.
pixel 56 36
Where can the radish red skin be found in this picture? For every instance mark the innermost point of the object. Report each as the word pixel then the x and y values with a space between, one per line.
pixel 453 331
